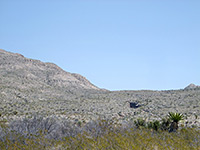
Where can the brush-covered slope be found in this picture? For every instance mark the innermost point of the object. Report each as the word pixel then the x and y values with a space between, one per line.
pixel 30 86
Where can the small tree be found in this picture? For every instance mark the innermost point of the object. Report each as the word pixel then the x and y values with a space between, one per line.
pixel 175 119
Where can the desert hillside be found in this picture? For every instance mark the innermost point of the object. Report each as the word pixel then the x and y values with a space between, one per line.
pixel 29 86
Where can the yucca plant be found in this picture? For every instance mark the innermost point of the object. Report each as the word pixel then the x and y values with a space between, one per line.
pixel 175 118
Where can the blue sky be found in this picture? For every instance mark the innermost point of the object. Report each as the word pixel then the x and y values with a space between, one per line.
pixel 116 44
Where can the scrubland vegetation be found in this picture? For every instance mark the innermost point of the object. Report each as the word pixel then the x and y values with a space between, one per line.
pixel 68 103
pixel 48 133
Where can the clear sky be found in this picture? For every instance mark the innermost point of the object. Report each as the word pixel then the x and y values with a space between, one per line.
pixel 116 44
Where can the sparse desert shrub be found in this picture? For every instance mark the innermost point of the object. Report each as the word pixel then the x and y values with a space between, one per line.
pixel 155 125
pixel 98 127
pixel 66 129
pixel 140 123
pixel 32 126
pixel 15 112
pixel 165 124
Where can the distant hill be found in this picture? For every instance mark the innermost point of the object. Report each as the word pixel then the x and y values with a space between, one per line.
pixel 191 86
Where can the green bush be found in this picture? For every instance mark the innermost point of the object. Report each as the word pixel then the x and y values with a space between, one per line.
pixel 155 125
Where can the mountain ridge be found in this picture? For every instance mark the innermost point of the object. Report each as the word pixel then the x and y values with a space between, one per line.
pixel 48 72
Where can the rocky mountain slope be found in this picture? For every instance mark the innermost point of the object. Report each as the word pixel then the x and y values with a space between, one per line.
pixel 33 79
pixel 30 86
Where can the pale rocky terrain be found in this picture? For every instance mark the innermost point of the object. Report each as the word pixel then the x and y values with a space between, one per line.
pixel 29 87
